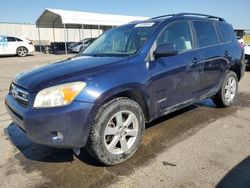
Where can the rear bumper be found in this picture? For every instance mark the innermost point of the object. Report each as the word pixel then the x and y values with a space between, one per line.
pixel 31 49
pixel 42 125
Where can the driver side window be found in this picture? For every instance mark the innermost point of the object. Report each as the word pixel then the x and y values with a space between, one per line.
pixel 178 33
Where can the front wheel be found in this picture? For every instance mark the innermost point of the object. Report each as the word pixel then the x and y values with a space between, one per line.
pixel 117 131
pixel 228 91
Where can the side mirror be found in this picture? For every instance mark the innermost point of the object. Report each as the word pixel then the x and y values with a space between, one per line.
pixel 164 50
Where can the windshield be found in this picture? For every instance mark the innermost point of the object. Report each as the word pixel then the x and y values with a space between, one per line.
pixel 121 41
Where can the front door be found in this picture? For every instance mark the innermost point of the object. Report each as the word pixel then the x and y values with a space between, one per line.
pixel 176 79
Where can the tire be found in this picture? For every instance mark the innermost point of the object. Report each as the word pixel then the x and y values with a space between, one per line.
pixel 106 141
pixel 248 66
pixel 228 91
pixel 247 57
pixel 22 51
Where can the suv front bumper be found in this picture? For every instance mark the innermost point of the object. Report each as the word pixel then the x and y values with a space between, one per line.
pixel 63 127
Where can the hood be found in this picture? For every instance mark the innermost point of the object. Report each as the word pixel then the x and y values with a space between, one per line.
pixel 72 69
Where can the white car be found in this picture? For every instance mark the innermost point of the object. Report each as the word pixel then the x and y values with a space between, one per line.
pixel 247 56
pixel 81 45
pixel 240 40
pixel 20 46
pixel 247 49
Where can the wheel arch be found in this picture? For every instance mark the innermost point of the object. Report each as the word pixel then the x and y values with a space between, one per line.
pixel 237 70
pixel 133 94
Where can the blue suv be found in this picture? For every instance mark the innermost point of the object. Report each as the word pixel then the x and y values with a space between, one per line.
pixel 127 77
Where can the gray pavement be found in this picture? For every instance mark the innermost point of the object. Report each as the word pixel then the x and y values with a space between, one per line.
pixel 199 146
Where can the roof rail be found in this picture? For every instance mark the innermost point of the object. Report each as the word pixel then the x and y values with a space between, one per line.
pixel 163 16
pixel 201 15
pixel 191 14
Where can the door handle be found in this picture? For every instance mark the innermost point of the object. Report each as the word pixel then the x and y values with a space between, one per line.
pixel 195 60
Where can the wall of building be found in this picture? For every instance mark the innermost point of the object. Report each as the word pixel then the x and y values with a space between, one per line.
pixel 31 32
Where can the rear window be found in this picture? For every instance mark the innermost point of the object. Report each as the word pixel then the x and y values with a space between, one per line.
pixel 17 39
pixel 225 32
pixel 206 33
pixel 11 39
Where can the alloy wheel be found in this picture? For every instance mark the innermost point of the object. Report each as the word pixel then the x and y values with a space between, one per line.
pixel 22 52
pixel 121 132
pixel 230 89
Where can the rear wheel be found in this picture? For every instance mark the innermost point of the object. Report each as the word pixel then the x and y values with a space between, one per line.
pixel 228 91
pixel 117 131
pixel 247 57
pixel 22 51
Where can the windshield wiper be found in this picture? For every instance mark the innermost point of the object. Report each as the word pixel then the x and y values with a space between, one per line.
pixel 93 54
pixel 105 54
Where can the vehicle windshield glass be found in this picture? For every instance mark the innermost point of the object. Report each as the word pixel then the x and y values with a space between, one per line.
pixel 121 41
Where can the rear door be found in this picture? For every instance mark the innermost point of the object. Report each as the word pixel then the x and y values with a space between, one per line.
pixel 176 78
pixel 11 46
pixel 213 57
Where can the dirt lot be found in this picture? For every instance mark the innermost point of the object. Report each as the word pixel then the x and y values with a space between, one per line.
pixel 199 146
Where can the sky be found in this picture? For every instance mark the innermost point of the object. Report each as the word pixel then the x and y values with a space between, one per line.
pixel 27 11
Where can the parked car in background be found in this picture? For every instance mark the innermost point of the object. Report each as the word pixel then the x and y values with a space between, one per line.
pixel 11 45
pixel 81 45
pixel 247 56
pixel 129 76
pixel 71 44
pixel 240 40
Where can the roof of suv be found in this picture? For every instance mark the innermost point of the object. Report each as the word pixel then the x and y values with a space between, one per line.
pixel 193 15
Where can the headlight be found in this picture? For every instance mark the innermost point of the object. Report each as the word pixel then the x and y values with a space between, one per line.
pixel 59 95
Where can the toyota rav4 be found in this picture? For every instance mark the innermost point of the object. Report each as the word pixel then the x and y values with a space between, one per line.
pixel 129 76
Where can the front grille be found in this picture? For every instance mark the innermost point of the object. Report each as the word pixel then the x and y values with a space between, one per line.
pixel 16 114
pixel 19 94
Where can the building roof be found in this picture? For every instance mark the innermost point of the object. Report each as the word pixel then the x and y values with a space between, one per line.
pixel 57 18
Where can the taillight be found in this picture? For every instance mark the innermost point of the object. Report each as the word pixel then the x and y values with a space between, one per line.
pixel 30 42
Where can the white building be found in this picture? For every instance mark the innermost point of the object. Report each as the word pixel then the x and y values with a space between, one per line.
pixel 66 26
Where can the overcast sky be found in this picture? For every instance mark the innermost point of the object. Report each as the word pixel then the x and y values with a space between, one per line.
pixel 27 11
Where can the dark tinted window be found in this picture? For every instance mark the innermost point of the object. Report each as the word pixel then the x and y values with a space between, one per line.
pixel 225 32
pixel 178 33
pixel 11 39
pixel 206 33
pixel 17 39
